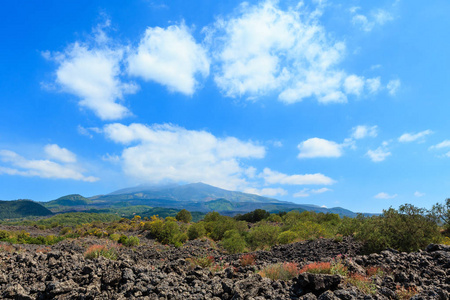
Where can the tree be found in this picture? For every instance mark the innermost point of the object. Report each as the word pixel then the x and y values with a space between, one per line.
pixel 184 216
pixel 442 213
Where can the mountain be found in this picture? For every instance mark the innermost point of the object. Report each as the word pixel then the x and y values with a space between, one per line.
pixel 193 192
pixel 22 209
pixel 195 197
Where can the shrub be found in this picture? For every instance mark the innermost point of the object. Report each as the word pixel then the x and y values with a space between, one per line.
pixel 65 231
pixel 408 229
pixel 184 216
pixel 253 216
pixel 275 218
pixel 96 251
pixel 287 237
pixel 285 271
pixel 233 242
pixel 128 241
pixel 114 237
pixel 196 230
pixel 263 235
pixel 4 235
pixel 169 232
pixel 247 260
pixel 309 230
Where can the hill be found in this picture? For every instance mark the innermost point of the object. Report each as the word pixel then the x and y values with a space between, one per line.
pixel 22 209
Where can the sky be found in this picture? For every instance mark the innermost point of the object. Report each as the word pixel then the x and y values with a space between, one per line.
pixel 332 103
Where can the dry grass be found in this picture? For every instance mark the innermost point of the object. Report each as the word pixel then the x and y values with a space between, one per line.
pixel 405 293
pixel 96 251
pixel 285 271
pixel 247 260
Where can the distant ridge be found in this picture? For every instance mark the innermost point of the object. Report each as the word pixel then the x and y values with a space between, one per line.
pixel 195 197
pixel 21 209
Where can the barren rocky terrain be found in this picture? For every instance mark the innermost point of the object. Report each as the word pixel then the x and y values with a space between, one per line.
pixel 154 271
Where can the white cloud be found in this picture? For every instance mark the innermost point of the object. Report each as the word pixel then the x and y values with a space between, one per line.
pixel 362 131
pixel 165 152
pixel 373 84
pixel 40 168
pixel 419 194
pixel 60 154
pixel 87 131
pixel 170 57
pixel 316 147
pixel 274 177
pixel 264 49
pixel 444 144
pixel 384 196
pixel 368 23
pixel 411 137
pixel 92 74
pixel 354 85
pixel 269 192
pixel 302 194
pixel 393 86
pixel 378 154
pixel 307 192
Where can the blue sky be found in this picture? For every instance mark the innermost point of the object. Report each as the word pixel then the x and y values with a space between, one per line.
pixel 334 103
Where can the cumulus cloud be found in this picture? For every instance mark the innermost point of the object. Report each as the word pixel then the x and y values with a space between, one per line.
pixel 354 85
pixel 384 196
pixel 269 192
pixel 368 22
pixel 60 154
pixel 92 74
pixel 164 152
pixel 307 192
pixel 373 84
pixel 379 154
pixel 264 49
pixel 393 86
pixel 170 57
pixel 362 131
pixel 274 177
pixel 316 147
pixel 18 165
pixel 411 137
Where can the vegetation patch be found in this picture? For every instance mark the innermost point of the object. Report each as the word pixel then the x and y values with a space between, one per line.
pixel 285 271
pixel 95 251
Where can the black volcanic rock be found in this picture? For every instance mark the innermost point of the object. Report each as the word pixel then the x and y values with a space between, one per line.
pixel 64 273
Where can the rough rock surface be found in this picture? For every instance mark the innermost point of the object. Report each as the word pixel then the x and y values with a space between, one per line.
pixel 153 271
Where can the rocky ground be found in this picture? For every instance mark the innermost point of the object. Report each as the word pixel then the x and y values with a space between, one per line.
pixel 154 271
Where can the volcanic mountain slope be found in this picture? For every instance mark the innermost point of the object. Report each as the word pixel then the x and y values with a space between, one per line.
pixel 193 197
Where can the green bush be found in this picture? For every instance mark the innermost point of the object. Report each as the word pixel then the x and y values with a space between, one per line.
pixel 169 232
pixel 196 230
pixel 408 229
pixel 184 216
pixel 309 230
pixel 287 237
pixel 128 241
pixel 263 235
pixel 233 242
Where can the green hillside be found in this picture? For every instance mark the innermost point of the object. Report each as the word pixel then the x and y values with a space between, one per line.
pixel 22 209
